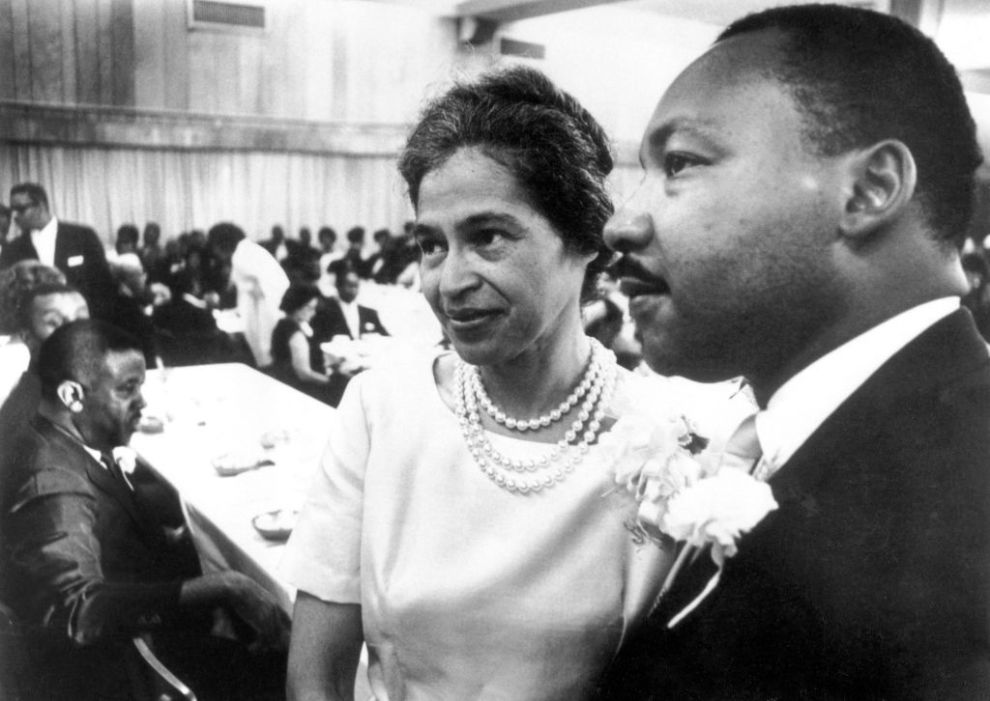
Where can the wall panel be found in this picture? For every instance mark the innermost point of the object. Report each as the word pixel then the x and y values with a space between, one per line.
pixel 7 82
pixel 87 53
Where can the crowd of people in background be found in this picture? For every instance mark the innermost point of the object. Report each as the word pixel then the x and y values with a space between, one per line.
pixel 169 292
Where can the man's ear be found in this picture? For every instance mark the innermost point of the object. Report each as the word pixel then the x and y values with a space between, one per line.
pixel 882 180
pixel 71 393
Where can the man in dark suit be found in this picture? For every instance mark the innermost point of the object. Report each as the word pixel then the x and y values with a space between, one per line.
pixel 807 187
pixel 74 249
pixel 343 316
pixel 87 559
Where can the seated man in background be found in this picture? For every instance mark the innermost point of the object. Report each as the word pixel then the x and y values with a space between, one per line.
pixel 343 316
pixel 87 563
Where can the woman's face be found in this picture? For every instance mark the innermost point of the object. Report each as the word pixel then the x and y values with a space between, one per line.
pixel 306 311
pixel 494 269
pixel 48 312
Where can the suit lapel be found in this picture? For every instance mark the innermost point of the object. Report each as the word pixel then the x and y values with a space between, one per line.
pixel 61 248
pixel 946 352
pixel 101 478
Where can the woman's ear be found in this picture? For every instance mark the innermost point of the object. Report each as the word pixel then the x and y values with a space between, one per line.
pixel 71 394
pixel 882 181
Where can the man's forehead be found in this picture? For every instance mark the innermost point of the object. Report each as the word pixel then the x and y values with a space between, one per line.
pixel 708 95
pixel 119 364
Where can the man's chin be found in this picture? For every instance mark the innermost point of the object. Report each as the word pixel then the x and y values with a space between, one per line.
pixel 667 358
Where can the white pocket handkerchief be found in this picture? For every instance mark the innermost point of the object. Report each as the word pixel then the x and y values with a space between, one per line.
pixel 74 261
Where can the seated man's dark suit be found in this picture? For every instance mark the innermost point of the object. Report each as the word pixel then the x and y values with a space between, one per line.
pixel 87 564
pixel 80 256
pixel 872 579
pixel 329 321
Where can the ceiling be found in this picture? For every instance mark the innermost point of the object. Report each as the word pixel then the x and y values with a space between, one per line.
pixel 960 27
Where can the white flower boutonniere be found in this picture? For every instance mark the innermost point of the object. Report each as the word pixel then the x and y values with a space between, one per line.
pixel 717 510
pixel 663 463
pixel 126 458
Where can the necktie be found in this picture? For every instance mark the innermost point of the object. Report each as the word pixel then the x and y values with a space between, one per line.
pixel 700 573
pixel 115 470
pixel 743 450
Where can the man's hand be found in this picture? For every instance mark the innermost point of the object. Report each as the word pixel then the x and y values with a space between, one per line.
pixel 258 608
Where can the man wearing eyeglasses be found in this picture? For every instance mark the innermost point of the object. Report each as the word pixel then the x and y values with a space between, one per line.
pixel 72 248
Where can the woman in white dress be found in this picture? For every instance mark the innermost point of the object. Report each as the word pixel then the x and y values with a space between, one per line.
pixel 464 523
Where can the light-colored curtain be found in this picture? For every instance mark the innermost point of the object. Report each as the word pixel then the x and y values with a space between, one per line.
pixel 182 190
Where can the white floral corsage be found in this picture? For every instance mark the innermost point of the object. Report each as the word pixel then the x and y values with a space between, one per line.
pixel 662 461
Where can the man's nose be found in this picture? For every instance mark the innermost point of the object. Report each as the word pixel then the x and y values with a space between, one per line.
pixel 629 229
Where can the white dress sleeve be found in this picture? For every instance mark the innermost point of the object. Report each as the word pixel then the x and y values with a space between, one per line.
pixel 323 556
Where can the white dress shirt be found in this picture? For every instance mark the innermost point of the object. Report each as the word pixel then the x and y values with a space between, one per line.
pixel 803 403
pixel 44 242
pixel 351 316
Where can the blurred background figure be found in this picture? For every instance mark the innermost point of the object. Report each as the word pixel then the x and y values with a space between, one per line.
pixel 42 307
pixel 296 356
pixel 74 249
pixel 127 239
pixel 260 283
pixel 977 300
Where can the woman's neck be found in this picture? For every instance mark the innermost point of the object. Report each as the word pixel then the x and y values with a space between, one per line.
pixel 539 379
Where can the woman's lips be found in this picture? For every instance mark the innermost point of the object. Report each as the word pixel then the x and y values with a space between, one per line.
pixel 469 319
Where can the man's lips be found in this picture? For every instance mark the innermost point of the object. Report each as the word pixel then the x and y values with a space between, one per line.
pixel 636 280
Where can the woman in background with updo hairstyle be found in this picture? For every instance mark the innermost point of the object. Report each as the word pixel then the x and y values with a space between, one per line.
pixel 464 523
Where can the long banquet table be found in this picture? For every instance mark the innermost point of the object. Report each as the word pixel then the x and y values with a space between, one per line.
pixel 228 414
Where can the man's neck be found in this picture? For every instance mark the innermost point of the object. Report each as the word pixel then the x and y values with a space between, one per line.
pixel 62 418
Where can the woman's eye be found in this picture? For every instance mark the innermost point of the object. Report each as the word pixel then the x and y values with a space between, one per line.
pixel 430 247
pixel 674 163
pixel 486 237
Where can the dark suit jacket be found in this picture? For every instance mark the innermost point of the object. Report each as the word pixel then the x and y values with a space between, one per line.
pixel 872 579
pixel 80 255
pixel 329 321
pixel 85 563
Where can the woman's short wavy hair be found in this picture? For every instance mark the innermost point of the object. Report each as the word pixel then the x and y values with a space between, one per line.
pixel 556 150
pixel 16 284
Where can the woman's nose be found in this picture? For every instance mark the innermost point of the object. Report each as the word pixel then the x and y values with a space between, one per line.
pixel 457 274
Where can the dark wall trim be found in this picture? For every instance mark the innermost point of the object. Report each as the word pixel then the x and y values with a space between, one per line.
pixel 22 122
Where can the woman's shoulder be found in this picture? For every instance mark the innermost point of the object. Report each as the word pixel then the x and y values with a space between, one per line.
pixel 406 377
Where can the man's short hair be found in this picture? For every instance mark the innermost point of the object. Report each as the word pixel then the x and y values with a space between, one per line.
pixel 34 191
pixel 77 351
pixel 861 77
pixel 225 236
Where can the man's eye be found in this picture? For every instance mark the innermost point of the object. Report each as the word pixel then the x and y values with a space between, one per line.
pixel 674 163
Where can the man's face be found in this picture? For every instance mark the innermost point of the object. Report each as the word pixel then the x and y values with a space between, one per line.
pixel 112 401
pixel 28 214
pixel 729 238
pixel 347 287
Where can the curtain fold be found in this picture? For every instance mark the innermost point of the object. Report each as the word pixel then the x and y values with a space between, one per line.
pixel 183 190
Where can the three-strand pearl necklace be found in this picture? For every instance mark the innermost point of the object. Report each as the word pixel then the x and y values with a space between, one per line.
pixel 528 476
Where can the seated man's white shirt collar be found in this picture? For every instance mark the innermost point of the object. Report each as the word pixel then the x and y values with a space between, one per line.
pixel 351 316
pixel 44 242
pixel 803 403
